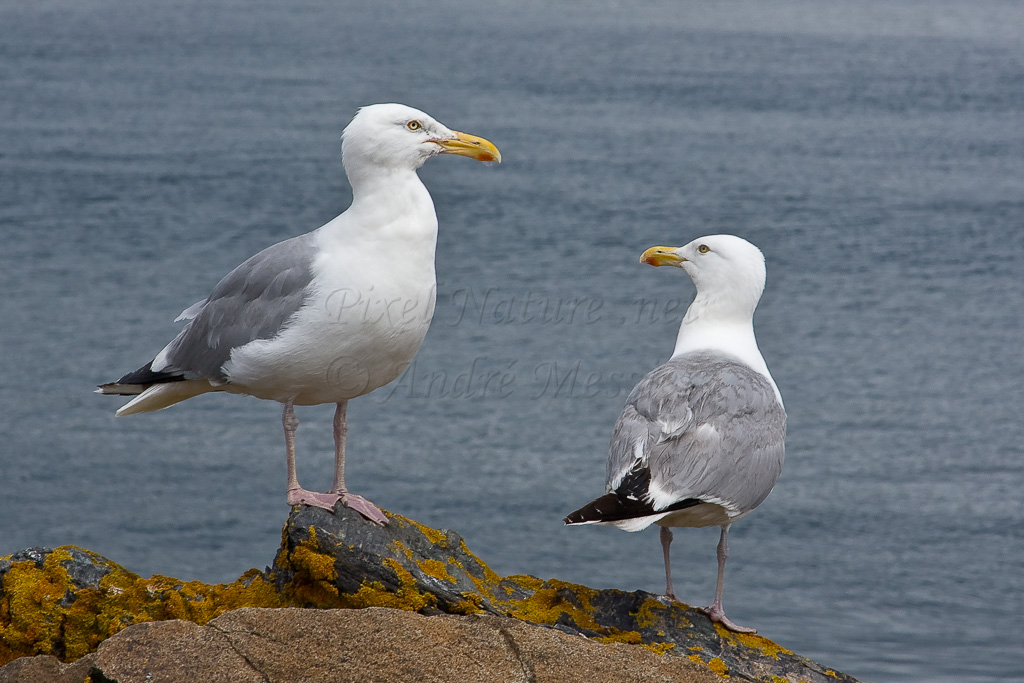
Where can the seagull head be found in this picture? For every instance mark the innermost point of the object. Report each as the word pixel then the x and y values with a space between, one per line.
pixel 394 136
pixel 724 268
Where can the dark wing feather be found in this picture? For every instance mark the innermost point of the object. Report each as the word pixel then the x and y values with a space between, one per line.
pixel 253 301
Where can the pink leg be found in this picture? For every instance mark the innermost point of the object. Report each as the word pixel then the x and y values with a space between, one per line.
pixel 296 494
pixel 715 611
pixel 666 541
pixel 349 500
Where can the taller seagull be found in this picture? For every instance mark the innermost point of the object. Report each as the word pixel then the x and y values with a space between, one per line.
pixel 702 437
pixel 329 315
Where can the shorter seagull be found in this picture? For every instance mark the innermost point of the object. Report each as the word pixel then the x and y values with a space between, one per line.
pixel 701 440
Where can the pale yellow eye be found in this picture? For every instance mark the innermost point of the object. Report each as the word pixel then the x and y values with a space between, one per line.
pixel 414 125
pixel 703 248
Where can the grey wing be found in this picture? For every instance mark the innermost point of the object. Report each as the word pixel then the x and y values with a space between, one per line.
pixel 700 427
pixel 252 302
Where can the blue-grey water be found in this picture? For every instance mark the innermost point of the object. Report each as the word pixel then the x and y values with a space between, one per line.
pixel 873 150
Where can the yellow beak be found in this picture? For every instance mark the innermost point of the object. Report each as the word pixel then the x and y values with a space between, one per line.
pixel 466 145
pixel 661 256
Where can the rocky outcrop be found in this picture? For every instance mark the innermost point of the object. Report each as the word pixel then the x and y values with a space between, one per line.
pixel 65 602
pixel 376 644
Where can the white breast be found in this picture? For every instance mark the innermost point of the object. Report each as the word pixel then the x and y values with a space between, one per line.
pixel 373 298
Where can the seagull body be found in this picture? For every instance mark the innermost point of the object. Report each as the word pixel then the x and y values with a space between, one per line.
pixel 326 316
pixel 701 440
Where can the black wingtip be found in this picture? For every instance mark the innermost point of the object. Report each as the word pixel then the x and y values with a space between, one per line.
pixel 607 508
pixel 612 507
pixel 143 377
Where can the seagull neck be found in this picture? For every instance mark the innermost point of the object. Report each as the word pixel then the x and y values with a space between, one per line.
pixel 370 179
pixel 390 194
pixel 733 336
pixel 722 329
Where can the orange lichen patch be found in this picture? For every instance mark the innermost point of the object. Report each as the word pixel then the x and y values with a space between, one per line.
pixel 433 535
pixel 752 641
pixel 526 581
pixel 437 570
pixel 718 666
pixel 32 597
pixel 630 637
pixel 399 547
pixel 658 648
pixel 307 556
pixel 409 596
pixel 583 593
pixel 646 614
pixel 546 606
pixel 473 604
pixel 371 594
pixel 489 575
pixel 715 664
pixel 486 586
pixel 313 574
pixel 44 612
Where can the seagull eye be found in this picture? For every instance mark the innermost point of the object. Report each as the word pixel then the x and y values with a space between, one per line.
pixel 703 248
pixel 414 125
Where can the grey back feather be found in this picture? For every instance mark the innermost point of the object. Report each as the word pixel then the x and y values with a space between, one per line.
pixel 707 427
pixel 253 301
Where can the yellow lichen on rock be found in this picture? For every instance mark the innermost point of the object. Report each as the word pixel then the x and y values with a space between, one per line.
pixel 547 605
pixel 410 597
pixel 647 614
pixel 752 641
pixel 718 666
pixel 526 581
pixel 436 537
pixel 628 637
pixel 437 570
pixel 313 574
pixel 32 597
pixel 489 576
pixel 659 648
pixel 43 611
pixel 398 546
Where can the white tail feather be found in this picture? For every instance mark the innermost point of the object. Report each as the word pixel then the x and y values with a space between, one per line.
pixel 160 396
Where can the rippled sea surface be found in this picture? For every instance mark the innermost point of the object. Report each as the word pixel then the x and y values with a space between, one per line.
pixel 874 151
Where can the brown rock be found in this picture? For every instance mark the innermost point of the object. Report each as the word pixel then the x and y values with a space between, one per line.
pixel 46 669
pixel 375 645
